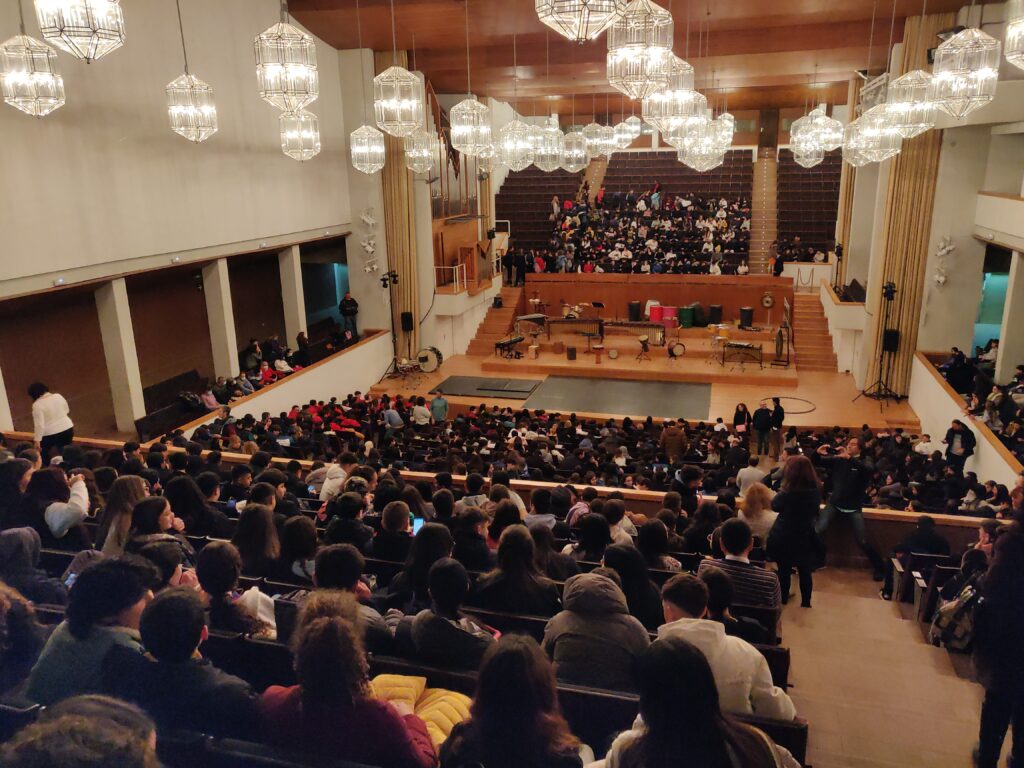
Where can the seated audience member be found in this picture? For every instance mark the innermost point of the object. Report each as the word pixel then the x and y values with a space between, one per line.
pixel 22 634
pixel 443 634
pixel 652 541
pixel 104 607
pixel 331 713
pixel 15 475
pixel 56 506
pixel 973 566
pixel 551 563
pixel 85 732
pixel 504 514
pixel 241 481
pixel 594 537
pixel 719 586
pixel 749 475
pixel 173 683
pixel 757 511
pixel 516 586
pixel 470 532
pixel 257 541
pixel 336 474
pixel 614 512
pixel 410 589
pixel 218 570
pixel 19 568
pixel 167 559
pixel 116 517
pixel 340 567
pixel 200 517
pixel 682 720
pixel 923 540
pixel 298 549
pixel 593 640
pixel 346 525
pixel 540 509
pixel 443 502
pixel 752 584
pixel 394 539
pixel 741 673
pixel 152 522
pixel 515 720
pixel 641 594
pixel 473 497
pixel 697 536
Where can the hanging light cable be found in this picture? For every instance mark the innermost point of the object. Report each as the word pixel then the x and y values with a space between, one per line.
pixel 515 148
pixel 469 119
pixel 550 142
pixel 910 110
pixel 29 77
pixel 190 105
pixel 399 100
pixel 366 143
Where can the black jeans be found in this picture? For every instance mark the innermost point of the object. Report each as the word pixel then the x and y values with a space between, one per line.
pixel 54 444
pixel 806 581
pixel 998 712
pixel 762 442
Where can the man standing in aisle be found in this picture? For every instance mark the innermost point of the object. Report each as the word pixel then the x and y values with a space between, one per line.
pixel 439 408
pixel 349 308
pixel 762 422
pixel 778 416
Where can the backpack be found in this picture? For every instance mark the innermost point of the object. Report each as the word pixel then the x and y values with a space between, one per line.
pixel 953 625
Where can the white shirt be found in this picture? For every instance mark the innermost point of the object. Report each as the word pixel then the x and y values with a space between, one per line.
pixel 50 415
pixel 420 415
pixel 747 476
pixel 927 448
pixel 741 673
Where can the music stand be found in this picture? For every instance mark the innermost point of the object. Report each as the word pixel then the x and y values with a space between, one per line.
pixel 598 305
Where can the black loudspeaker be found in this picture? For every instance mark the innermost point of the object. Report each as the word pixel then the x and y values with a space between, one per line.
pixel 634 312
pixel 497 303
pixel 570 353
pixel 891 340
pixel 714 314
pixel 407 322
pixel 746 317
pixel 700 318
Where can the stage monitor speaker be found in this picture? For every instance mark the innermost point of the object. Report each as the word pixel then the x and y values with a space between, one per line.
pixel 635 309
pixel 746 317
pixel 891 340
pixel 714 314
pixel 570 353
pixel 497 303
pixel 407 322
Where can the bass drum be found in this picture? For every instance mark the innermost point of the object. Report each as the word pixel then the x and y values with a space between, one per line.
pixel 430 359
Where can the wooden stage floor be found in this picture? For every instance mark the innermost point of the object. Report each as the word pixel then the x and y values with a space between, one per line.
pixel 830 394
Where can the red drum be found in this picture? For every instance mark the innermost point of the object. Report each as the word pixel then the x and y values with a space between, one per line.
pixel 657 313
pixel 670 312
pixel 670 323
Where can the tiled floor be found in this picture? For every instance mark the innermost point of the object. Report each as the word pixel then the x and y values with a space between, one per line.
pixel 876 695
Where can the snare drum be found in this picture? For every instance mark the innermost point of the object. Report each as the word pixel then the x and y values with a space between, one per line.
pixel 676 349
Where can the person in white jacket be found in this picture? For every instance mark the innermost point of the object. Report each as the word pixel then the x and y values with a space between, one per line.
pixel 741 673
pixel 51 420
pixel 336 475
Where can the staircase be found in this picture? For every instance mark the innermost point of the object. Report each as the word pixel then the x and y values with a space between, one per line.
pixel 812 341
pixel 594 174
pixel 525 200
pixel 497 322
pixel 764 210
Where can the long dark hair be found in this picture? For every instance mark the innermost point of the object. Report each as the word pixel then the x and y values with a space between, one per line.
pixel 515 718
pixel 683 719
pixel 47 485
pixel 146 516
pixel 799 475
pixel 256 535
pixel 329 662
pixel 432 542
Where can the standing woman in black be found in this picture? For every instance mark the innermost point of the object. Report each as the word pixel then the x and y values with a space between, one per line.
pixel 742 421
pixel 51 421
pixel 792 541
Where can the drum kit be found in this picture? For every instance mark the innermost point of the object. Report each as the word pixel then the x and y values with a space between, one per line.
pixel 427 360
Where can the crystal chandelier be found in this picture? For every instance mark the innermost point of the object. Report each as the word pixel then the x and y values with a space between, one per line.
pixel 399 99
pixel 635 126
pixel 701 144
pixel 965 73
pixel 910 111
pixel 855 144
pixel 87 29
pixel 623 135
pixel 807 152
pixel 485 158
pixel 286 71
pixel 547 153
pixel 592 135
pixel 470 120
pixel 726 125
pixel 367 149
pixel 827 131
pixel 639 45
pixel 579 20
pixel 190 106
pixel 515 148
pixel 575 155
pixel 808 158
pixel 676 133
pixel 677 102
pixel 28 74
pixel 420 149
pixel 1014 44
pixel 882 139
pixel 300 135
pixel 608 144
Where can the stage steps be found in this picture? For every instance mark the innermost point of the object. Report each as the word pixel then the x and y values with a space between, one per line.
pixel 595 172
pixel 764 210
pixel 497 322
pixel 812 340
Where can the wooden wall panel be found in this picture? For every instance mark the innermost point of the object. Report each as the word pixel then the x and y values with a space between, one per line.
pixel 172 330
pixel 616 291
pixel 256 298
pixel 55 338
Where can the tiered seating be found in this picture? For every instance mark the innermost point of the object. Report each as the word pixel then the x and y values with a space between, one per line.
pixel 525 200
pixel 808 199
pixel 734 178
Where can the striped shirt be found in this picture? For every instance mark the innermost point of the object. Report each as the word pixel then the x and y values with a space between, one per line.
pixel 751 584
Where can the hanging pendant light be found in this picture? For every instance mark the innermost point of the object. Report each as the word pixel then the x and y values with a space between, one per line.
pixel 1013 46
pixel 470 120
pixel 807 152
pixel 639 46
pixel 515 145
pixel 87 29
pixel 300 135
pixel 623 135
pixel 366 143
pixel 399 98
pixel 882 139
pixel 810 158
pixel 579 20
pixel 593 136
pixel 635 126
pixel 420 150
pixel 547 154
pixel 965 73
pixel 678 101
pixel 607 141
pixel 575 155
pixel 190 105
pixel 855 144
pixel 486 158
pixel 827 131
pixel 910 110
pixel 286 70
pixel 28 74
pixel 725 125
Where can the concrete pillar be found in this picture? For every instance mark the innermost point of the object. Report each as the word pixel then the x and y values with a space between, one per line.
pixel 217 287
pixel 1011 340
pixel 289 262
pixel 119 350
pixel 6 418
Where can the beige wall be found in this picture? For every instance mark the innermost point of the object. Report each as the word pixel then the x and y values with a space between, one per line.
pixel 103 180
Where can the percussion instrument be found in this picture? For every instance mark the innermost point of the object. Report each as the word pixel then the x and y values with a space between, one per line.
pixel 670 312
pixel 676 349
pixel 613 354
pixel 507 347
pixel 645 348
pixel 685 317
pixel 643 339
pixel 657 313
pixel 430 359
pixel 598 349
pixel 533 352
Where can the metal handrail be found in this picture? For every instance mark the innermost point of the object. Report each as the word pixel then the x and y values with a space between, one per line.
pixel 457 273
